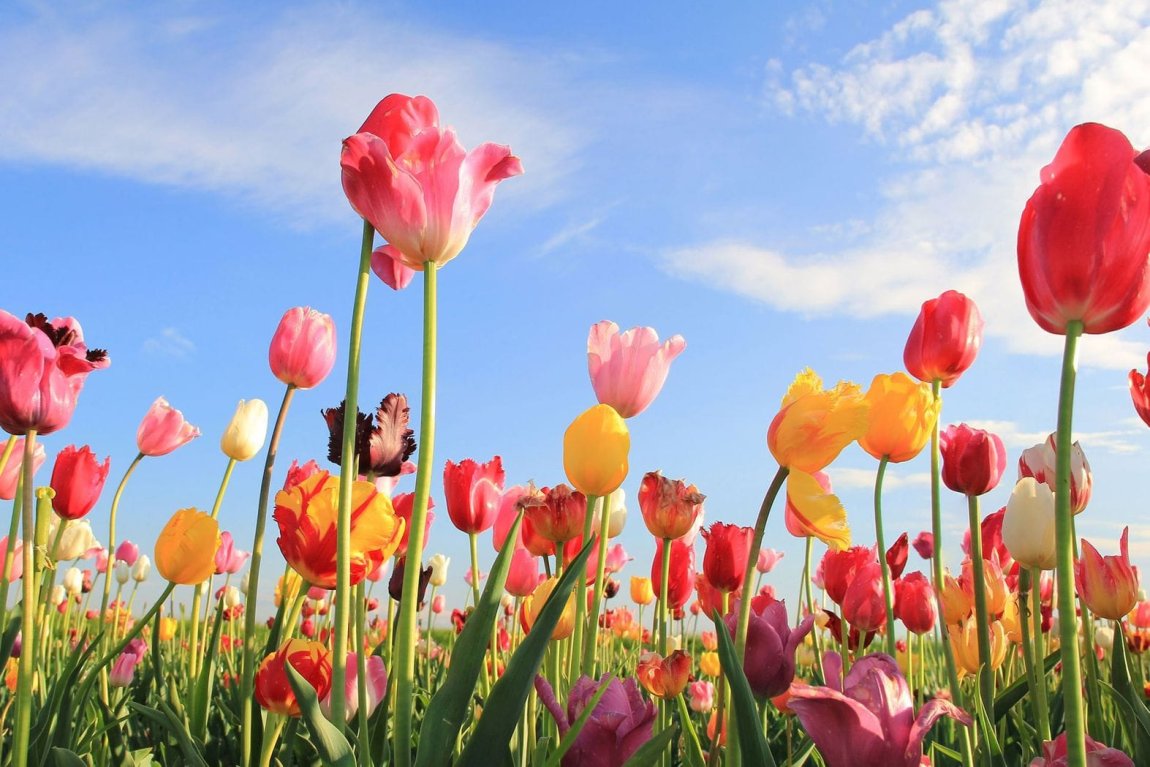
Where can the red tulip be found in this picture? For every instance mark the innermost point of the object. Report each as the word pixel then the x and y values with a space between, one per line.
pixel 945 339
pixel 725 558
pixel 896 556
pixel 1085 235
pixel 402 504
pixel 670 506
pixel 78 479
pixel 163 429
pixel 312 660
pixel 1140 393
pixel 472 492
pixel 708 598
pixel 43 366
pixel 414 182
pixel 863 604
pixel 914 603
pixel 924 544
pixel 682 572
pixel 972 459
pixel 993 546
pixel 556 514
pixel 839 569
pixel 303 347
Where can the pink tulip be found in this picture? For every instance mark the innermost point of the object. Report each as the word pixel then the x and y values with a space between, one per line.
pixel 402 504
pixel 1097 755
pixel 376 685
pixel 467 577
pixel 415 183
pixel 701 696
pixel 43 366
pixel 1107 585
pixel 16 562
pixel 127 552
pixel 302 351
pixel 387 263
pixel 229 559
pixel 124 668
pixel 523 575
pixel 11 473
pixel 617 558
pixel 505 517
pixel 472 492
pixel 163 430
pixel 628 370
pixel 768 558
pixel 863 604
pixel 297 473
pixel 869 721
pixel 618 726
pixel 78 478
pixel 924 544
pixel 101 555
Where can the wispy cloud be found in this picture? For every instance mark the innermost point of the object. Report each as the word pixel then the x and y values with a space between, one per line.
pixel 972 98
pixel 577 231
pixel 170 343
pixel 845 478
pixel 1014 436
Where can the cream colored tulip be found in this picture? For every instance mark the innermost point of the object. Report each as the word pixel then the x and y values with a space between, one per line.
pixel 245 434
pixel 438 564
pixel 1028 525
pixel 76 541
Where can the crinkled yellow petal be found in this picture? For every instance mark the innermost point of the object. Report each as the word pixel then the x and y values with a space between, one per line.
pixel 820 513
pixel 806 382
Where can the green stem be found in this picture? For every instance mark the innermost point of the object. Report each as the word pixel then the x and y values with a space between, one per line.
pixel 664 718
pixel 1037 684
pixel 407 634
pixel 488 673
pixel 364 735
pixel 591 641
pixel 112 534
pixel 981 616
pixel 9 446
pixel 198 594
pixel 887 597
pixel 349 472
pixel 576 657
pixel 1074 713
pixel 692 737
pixel 248 671
pixel 26 670
pixel 10 549
pixel 811 607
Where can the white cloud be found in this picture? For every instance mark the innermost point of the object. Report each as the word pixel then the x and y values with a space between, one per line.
pixel 973 98
pixel 170 343
pixel 844 478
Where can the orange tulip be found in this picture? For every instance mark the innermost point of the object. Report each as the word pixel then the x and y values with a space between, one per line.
pixel 307 514
pixel 313 662
pixel 670 506
pixel 902 415
pixel 664 677
pixel 533 604
pixel 642 593
pixel 815 424
pixel 186 548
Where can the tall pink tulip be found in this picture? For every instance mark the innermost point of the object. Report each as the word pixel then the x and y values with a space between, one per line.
pixel 43 366
pixel 628 369
pixel 523 575
pixel 415 184
pixel 163 430
pixel 11 473
pixel 945 339
pixel 229 559
pixel 127 552
pixel 1085 235
pixel 78 478
pixel 302 351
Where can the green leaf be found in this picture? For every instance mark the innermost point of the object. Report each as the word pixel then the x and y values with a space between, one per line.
pixel 986 730
pixel 450 705
pixel 62 757
pixel 653 750
pixel 1018 689
pixel 752 743
pixel 504 707
pixel 1120 678
pixel 333 748
pixel 577 727
pixel 202 692
pixel 166 718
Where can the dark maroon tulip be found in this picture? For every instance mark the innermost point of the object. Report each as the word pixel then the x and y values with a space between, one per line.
pixel 771 645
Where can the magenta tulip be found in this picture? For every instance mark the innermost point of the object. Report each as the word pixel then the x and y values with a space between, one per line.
pixel 972 459
pixel 229 559
pixel 78 479
pixel 163 430
pixel 127 552
pixel 302 351
pixel 618 726
pixel 413 181
pixel 11 473
pixel 628 369
pixel 1097 755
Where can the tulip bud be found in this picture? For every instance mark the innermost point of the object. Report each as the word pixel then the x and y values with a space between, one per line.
pixel 439 565
pixel 78 479
pixel 127 552
pixel 76 541
pixel 595 448
pixel 1028 525
pixel 438 604
pixel 945 339
pixel 141 569
pixel 163 429
pixel 303 347
pixel 532 605
pixel 73 580
pixel 664 677
pixel 725 559
pixel 122 572
pixel 58 595
pixel 702 696
pixel 245 433
pixel 186 548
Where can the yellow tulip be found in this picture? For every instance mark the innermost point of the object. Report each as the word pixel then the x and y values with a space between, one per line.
pixel 957 602
pixel 964 643
pixel 533 604
pixel 709 664
pixel 642 592
pixel 812 511
pixel 815 424
pixel 186 548
pixel 902 415
pixel 168 628
pixel 595 448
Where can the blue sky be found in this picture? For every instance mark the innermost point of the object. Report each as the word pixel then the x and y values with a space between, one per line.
pixel 783 187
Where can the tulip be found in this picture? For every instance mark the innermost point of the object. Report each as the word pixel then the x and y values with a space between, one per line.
pixel 964 645
pixel 124 667
pixel 73 580
pixel 402 504
pixel 1028 525
pixel 306 516
pixel 642 590
pixel 533 604
pixel 556 513
pixel 595 448
pixel 312 660
pixel 924 544
pixel 914 603
pixel 840 568
pixel 122 572
pixel 43 366
pixel 127 552
pixel 395 584
pixel 1107 585
pixel 1054 754
pixel 902 416
pixel 297 473
pixel 376 686
pixel 628 369
pixel 682 572
pixel 387 263
pixel 141 569
pixel 78 479
pixel 945 339
pixel 863 604
pixel 523 573
pixel 1085 233
pixel 869 721
pixel 617 727
pixel 814 424
pixel 186 548
pixel 771 644
pixel 229 559
pixel 616 511
pixel 414 182
pixel 232 598
pixel 617 559
pixel 1140 393
pixel 957 601
pixel 896 556
pixel 767 560
pixel 708 598
pixel 302 351
pixel 1039 462
pixel 670 507
pixel 664 677
pixel 973 460
pixel 439 565
pixel 812 510
pixel 245 433
pixel 76 541
pixel 168 628
pixel 12 470
pixel 57 596
pixel 163 430
pixel 725 559
pixel 438 604
pixel 16 561
pixel 710 665
pixel 701 696
pixel 994 581
pixel 472 492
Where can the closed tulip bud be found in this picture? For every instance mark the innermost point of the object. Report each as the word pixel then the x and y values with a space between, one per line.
pixel 767 560
pixel 76 541
pixel 924 544
pixel 771 644
pixel 303 347
pixel 124 668
pixel 58 595
pixel 245 433
pixel 122 572
pixel 141 569
pixel 312 660
pixel 438 564
pixel 1040 462
pixel 863 604
pixel 229 559
pixel 1028 525
pixel 902 417
pixel 595 448
pixel 523 574
pixel 642 593
pixel 710 665
pixel 670 507
pixel 973 460
pixel 127 552
pixel 945 339
pixel 840 568
pixel 727 552
pixel 186 548
pixel 438 604
pixel 664 677
pixel 73 580
pixel 163 430
pixel 914 603
pixel 682 572
pixel 78 479
pixel 168 628
pixel 617 510
pixel 473 492
pixel 1107 585
pixel 533 604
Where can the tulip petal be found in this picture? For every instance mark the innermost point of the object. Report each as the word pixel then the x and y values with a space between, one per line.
pixel 818 512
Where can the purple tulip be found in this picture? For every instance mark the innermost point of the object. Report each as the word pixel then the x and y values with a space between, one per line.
pixel 869 721
pixel 621 722
pixel 771 644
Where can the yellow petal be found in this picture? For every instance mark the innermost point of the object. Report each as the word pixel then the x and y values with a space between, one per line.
pixel 819 512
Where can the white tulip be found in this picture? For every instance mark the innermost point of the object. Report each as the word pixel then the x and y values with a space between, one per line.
pixel 1028 525
pixel 439 565
pixel 76 541
pixel 122 572
pixel 73 581
pixel 245 434
pixel 141 569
